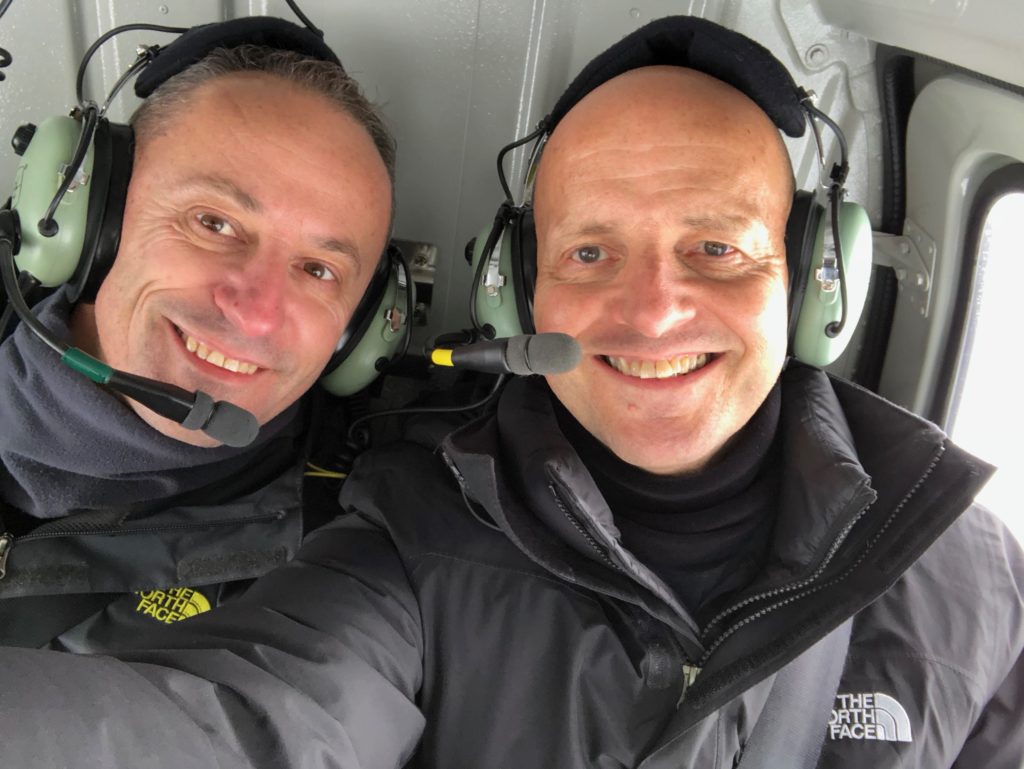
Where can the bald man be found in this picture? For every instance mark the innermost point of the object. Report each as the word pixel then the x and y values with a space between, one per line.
pixel 684 553
pixel 661 205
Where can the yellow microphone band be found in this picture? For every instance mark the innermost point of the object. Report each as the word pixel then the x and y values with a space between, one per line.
pixel 441 357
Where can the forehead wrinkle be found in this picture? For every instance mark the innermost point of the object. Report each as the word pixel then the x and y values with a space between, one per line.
pixel 567 228
pixel 629 144
pixel 723 210
pixel 676 170
pixel 226 187
pixel 720 221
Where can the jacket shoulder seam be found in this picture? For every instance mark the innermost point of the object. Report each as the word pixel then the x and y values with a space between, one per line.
pixel 923 658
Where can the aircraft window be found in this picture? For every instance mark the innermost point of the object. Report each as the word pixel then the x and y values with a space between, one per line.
pixel 986 417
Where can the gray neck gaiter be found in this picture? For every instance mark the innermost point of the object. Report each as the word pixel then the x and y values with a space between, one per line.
pixel 67 445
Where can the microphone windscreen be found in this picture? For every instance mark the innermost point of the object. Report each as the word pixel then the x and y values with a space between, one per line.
pixel 550 353
pixel 231 425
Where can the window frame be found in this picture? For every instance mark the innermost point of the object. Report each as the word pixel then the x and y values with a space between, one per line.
pixel 949 385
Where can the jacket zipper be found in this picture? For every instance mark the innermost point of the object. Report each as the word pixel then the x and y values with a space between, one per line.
pixel 7 540
pixel 690 673
pixel 833 549
pixel 582 529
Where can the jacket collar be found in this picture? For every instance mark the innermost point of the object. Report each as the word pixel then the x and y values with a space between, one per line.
pixel 851 460
pixel 186 545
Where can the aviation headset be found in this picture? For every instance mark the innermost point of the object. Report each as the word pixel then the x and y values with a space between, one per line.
pixel 829 258
pixel 72 183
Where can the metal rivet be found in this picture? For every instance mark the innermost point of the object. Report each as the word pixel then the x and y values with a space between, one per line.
pixel 817 55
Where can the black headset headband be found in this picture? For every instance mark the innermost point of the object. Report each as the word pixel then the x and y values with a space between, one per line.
pixel 199 41
pixel 687 41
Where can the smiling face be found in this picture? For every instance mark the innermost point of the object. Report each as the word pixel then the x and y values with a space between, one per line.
pixel 250 234
pixel 660 206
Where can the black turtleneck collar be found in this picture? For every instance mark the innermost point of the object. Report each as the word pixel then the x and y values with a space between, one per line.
pixel 704 533
pixel 728 475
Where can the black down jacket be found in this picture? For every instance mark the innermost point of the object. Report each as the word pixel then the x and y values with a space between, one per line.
pixel 444 623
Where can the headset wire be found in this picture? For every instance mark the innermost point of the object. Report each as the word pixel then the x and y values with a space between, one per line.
pixel 354 443
pixel 13 289
pixel 836 191
pixel 304 19
pixel 506 212
pixel 80 79
pixel 89 114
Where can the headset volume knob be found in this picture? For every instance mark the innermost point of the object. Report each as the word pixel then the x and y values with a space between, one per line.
pixel 22 137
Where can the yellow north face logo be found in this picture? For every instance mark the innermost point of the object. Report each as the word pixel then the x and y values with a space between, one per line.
pixel 171 605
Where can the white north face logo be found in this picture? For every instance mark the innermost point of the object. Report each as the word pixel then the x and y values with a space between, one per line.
pixel 868 716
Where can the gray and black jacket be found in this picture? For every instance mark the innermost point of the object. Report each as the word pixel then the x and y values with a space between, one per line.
pixel 88 581
pixel 108 527
pixel 443 622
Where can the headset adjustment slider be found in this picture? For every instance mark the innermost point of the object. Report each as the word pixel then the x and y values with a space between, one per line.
pixel 79 180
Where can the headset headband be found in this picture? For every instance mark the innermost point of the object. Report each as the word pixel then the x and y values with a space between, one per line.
pixel 687 41
pixel 199 41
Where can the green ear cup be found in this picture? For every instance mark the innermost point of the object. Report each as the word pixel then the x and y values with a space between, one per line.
pixel 811 344
pixel 51 261
pixel 494 293
pixel 380 341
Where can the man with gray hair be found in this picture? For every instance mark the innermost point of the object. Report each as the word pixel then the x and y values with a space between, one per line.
pixel 256 188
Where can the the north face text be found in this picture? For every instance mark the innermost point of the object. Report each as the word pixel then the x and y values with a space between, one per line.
pixel 172 605
pixel 869 716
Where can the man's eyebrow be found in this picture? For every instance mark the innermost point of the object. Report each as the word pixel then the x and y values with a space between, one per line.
pixel 341 246
pixel 225 187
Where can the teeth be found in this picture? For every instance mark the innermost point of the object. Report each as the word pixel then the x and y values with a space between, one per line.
pixel 216 357
pixel 664 368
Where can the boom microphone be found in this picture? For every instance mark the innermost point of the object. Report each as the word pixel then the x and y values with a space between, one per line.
pixel 222 421
pixel 550 353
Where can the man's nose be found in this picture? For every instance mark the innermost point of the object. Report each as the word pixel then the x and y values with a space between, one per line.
pixel 252 295
pixel 655 295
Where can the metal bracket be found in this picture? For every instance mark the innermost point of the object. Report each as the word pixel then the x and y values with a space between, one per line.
pixel 80 179
pixel 493 279
pixel 394 318
pixel 912 257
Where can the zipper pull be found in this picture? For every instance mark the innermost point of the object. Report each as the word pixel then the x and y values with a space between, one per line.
pixel 6 542
pixel 690 673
